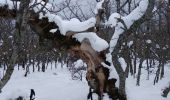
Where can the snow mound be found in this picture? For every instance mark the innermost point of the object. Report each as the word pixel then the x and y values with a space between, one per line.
pixel 79 63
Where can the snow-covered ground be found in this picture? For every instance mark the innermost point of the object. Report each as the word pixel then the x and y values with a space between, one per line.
pixel 57 84
pixel 54 84
pixel 146 90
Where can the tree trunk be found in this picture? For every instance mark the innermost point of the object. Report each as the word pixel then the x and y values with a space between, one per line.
pixel 38 65
pixel 51 64
pixel 139 72
pixel 122 78
pixel 135 56
pixel 43 66
pixel 56 64
pixel 158 73
pixel 33 65
pixel 148 68
pixel 10 68
pixel 21 23
pixel 118 6
pixel 168 17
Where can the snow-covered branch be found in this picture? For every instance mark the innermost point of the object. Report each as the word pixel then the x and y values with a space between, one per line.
pixel 96 42
pixel 135 15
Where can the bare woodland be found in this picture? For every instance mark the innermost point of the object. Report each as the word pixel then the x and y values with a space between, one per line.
pixel 27 40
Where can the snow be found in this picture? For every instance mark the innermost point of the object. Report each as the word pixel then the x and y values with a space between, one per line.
pixel 113 73
pixel 1 42
pixel 59 80
pixel 157 46
pixel 51 85
pixel 123 63
pixel 115 37
pixel 10 37
pixel 164 48
pixel 56 84
pixel 53 30
pixel 79 63
pixel 148 41
pixel 109 57
pixel 76 26
pixel 130 43
pixel 147 91
pixel 73 25
pixel 136 14
pixel 98 6
pixel 97 43
pixel 113 19
pixel 9 3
